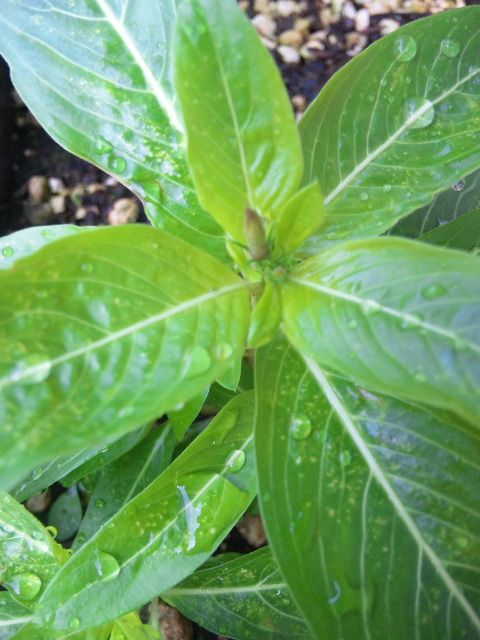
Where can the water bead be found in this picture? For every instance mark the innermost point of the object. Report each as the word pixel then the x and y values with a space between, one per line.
pixel 405 48
pixel 8 252
pixel 433 291
pixel 300 427
pixel 450 48
pixel 419 112
pixel 236 460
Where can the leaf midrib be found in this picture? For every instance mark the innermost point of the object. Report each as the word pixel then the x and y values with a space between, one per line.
pixel 391 494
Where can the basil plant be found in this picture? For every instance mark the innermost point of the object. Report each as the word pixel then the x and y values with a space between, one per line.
pixel 340 253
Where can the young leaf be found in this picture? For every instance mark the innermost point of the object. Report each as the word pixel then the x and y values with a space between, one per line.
pixel 13 616
pixel 109 97
pixel 370 504
pixel 106 330
pixel 27 241
pixel 459 199
pixel 66 514
pixel 182 416
pixel 165 532
pixel 72 468
pixel 396 125
pixel 266 317
pixel 302 216
pixel 462 233
pixel 244 597
pixel 130 627
pixel 397 316
pixel 29 557
pixel 243 145
pixel 125 478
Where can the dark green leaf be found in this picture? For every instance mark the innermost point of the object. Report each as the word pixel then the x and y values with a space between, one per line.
pixel 243 145
pixel 29 557
pixel 164 533
pixel 125 478
pixel 371 506
pixel 242 598
pixel 97 76
pixel 104 331
pixel 13 615
pixel 396 125
pixel 66 514
pixel 462 233
pixel 398 316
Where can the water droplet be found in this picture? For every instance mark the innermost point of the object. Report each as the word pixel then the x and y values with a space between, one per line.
pixel 74 623
pixel 35 368
pixel 52 531
pixel 236 460
pixel 410 322
pixel 420 376
pixel 223 351
pixel 192 515
pixel 450 48
pixel 458 186
pixel 405 48
pixel 195 362
pixel 387 187
pixel 462 542
pixel 345 458
pixel 8 252
pixel 100 503
pixel 87 267
pixel 117 164
pixel 300 427
pixel 352 324
pixel 419 112
pixel 370 307
pixel 364 195
pixel 25 585
pixel 433 291
pixel 103 145
pixel 107 567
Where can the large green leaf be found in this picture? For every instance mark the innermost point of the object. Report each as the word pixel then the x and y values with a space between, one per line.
pixel 12 616
pixel 69 469
pixel 461 233
pixel 163 534
pixel 125 478
pixel 104 331
pixel 370 504
pixel 396 125
pixel 243 598
pixel 459 199
pixel 399 316
pixel 97 75
pixel 25 242
pixel 29 557
pixel 243 145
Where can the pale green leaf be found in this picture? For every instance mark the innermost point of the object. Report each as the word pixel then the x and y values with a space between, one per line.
pixel 243 598
pixel 243 145
pixel 398 316
pixel 371 505
pixel 97 75
pixel 25 242
pixel 104 331
pixel 165 532
pixel 13 615
pixel 301 217
pixel 397 125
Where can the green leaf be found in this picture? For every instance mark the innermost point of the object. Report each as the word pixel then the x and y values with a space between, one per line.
pixel 97 76
pixel 243 146
pixel 27 241
pixel 12 616
pixel 266 317
pixel 66 514
pixel 462 233
pixel 370 504
pixel 125 478
pixel 244 598
pixel 165 532
pixel 29 557
pixel 104 331
pixel 459 199
pixel 130 627
pixel 182 416
pixel 72 468
pixel 396 125
pixel 302 216
pixel 398 316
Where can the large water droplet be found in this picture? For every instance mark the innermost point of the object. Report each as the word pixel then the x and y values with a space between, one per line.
pixel 8 252
pixel 117 164
pixel 433 291
pixel 35 368
pixel 195 362
pixel 236 460
pixel 419 111
pixel 192 515
pixel 405 48
pixel 74 623
pixel 103 145
pixel 106 565
pixel 300 427
pixel 450 48
pixel 458 186
pixel 223 351
pixel 25 585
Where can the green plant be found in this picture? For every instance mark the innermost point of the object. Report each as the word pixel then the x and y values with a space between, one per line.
pixel 365 410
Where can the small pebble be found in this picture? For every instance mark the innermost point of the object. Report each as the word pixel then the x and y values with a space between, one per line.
pixel 289 55
pixel 252 529
pixel 265 25
pixel 362 20
pixel 173 625
pixel 124 211
pixel 40 502
pixel 38 189
pixel 388 25
pixel 291 38
pixel 58 204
